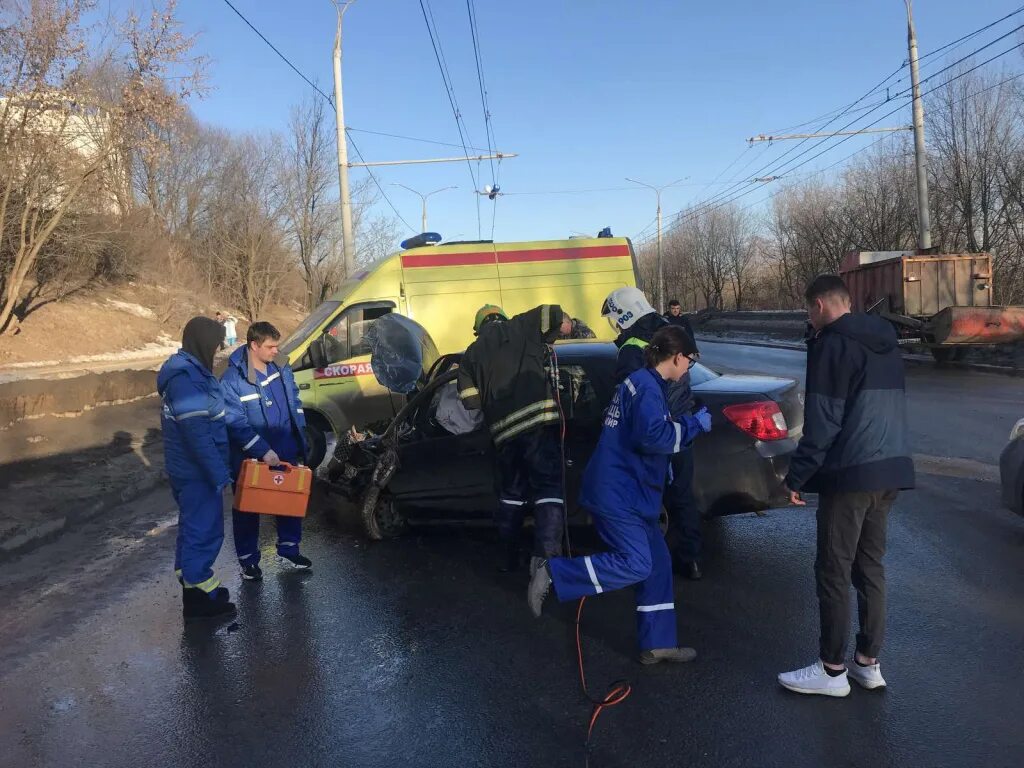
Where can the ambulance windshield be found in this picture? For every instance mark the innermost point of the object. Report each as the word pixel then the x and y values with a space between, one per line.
pixel 316 318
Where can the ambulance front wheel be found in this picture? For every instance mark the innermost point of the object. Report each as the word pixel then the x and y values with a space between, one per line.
pixel 381 516
pixel 316 439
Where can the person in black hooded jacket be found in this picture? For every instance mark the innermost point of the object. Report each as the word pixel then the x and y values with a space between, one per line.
pixel 855 454
pixel 197 463
pixel 636 321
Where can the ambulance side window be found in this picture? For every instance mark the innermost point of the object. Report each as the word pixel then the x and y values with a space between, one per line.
pixel 336 340
pixel 343 339
pixel 357 328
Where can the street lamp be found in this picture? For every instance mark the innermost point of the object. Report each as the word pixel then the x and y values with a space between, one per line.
pixel 423 197
pixel 661 270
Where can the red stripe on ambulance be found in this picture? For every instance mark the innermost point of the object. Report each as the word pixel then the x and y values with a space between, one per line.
pixel 512 257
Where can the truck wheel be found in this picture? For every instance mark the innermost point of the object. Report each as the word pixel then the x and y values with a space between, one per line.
pixel 316 439
pixel 381 516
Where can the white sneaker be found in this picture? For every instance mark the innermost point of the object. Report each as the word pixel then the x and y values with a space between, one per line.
pixel 869 677
pixel 814 679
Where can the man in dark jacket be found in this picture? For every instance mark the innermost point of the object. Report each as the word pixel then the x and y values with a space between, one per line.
pixel 266 422
pixel 636 321
pixel 196 461
pixel 504 374
pixel 854 453
pixel 675 316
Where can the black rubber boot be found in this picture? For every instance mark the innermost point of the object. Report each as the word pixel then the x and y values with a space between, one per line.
pixel 197 605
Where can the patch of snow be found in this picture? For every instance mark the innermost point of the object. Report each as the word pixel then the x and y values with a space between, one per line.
pixel 133 309
pixel 162 347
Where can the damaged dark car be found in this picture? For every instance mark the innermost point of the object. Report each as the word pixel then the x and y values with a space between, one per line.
pixel 432 466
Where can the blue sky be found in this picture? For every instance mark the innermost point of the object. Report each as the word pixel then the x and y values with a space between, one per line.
pixel 587 92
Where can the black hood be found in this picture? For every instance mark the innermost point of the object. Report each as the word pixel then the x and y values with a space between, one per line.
pixel 644 328
pixel 873 332
pixel 202 338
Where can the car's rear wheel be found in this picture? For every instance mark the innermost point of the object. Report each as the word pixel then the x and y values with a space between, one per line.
pixel 381 516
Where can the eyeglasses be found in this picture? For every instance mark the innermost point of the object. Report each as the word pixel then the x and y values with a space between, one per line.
pixel 692 359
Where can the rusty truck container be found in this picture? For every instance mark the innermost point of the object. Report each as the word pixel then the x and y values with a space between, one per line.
pixel 943 301
pixel 918 286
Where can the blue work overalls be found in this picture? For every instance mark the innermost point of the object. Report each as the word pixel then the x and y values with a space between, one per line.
pixel 622 489
pixel 263 413
pixel 196 460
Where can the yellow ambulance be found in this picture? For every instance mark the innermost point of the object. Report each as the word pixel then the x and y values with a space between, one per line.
pixel 440 287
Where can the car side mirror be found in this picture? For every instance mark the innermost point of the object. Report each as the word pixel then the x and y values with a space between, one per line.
pixel 317 353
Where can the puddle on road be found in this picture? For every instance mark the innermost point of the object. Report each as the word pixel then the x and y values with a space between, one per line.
pixel 966 469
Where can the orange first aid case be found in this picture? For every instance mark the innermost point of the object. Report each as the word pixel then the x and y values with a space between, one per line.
pixel 281 490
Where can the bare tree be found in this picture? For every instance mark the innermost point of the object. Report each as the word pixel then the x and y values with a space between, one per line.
pixel 740 246
pixel 61 141
pixel 309 207
pixel 244 237
pixel 972 127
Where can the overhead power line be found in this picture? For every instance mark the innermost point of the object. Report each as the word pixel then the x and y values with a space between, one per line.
pixel 763 171
pixel 274 48
pixel 383 194
pixel 330 101
pixel 413 138
pixel 449 87
pixel 778 168
pixel 709 207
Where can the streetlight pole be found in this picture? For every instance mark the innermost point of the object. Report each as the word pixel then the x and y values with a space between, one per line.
pixel 661 267
pixel 423 197
pixel 924 226
pixel 347 235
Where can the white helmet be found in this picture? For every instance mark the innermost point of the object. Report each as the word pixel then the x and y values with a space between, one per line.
pixel 624 306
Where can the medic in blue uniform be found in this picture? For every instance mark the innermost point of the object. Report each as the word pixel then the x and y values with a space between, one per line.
pixel 622 489
pixel 266 422
pixel 196 460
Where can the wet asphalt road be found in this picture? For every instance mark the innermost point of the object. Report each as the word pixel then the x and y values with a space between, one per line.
pixel 416 652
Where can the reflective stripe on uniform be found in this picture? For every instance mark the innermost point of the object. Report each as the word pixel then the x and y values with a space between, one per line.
pixel 593 575
pixel 522 413
pixel 299 410
pixel 468 393
pixel 270 378
pixel 512 502
pixel 518 429
pixel 251 443
pixel 635 342
pixel 219 416
pixel 206 586
pixel 658 607
pixel 549 501
pixel 679 437
pixel 630 387
pixel 191 415
pixel 246 398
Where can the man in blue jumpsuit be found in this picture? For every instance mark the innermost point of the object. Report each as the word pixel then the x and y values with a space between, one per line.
pixel 265 421
pixel 622 490
pixel 196 460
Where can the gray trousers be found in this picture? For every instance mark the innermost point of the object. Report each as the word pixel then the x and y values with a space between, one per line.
pixel 851 545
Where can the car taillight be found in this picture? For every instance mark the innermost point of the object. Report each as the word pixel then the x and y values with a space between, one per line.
pixel 762 419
